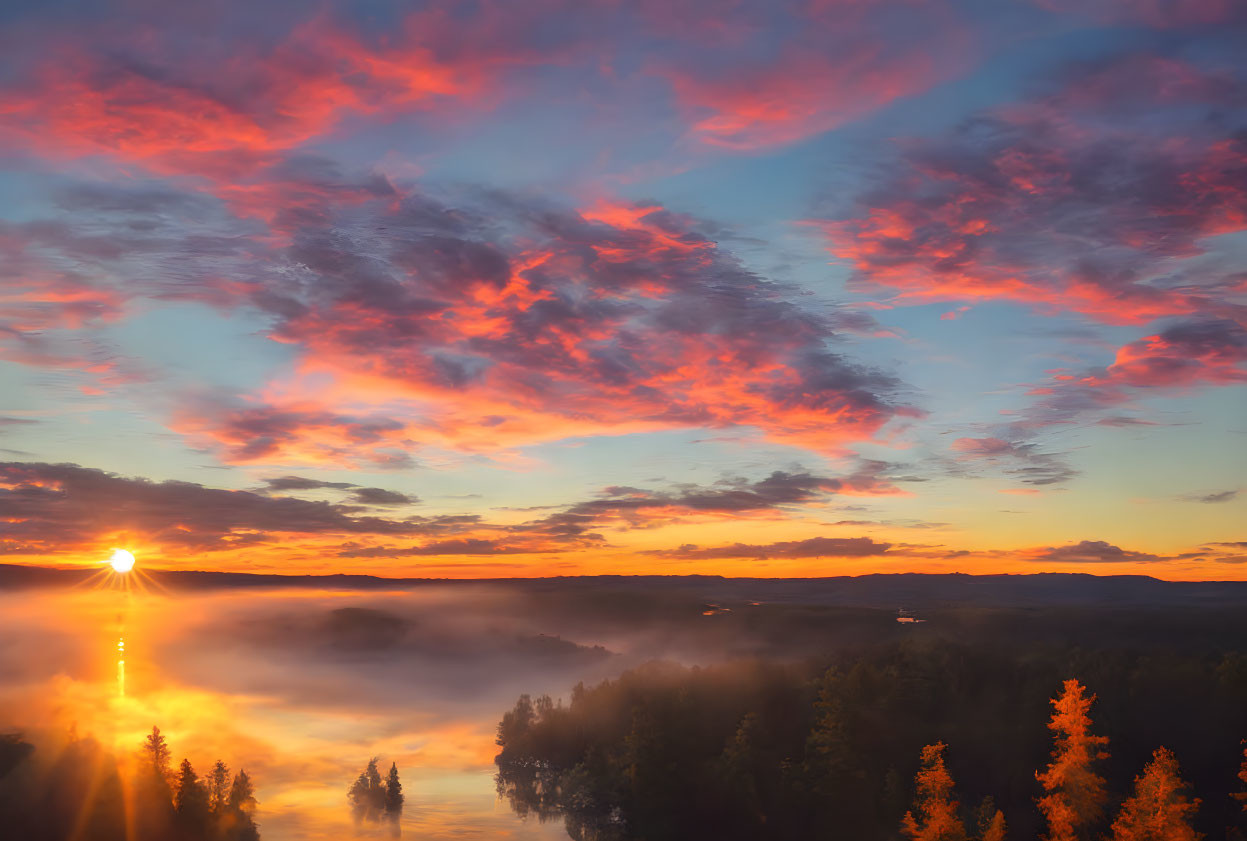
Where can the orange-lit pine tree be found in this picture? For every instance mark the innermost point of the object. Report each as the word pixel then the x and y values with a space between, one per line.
pixel 1159 809
pixel 1075 792
pixel 934 816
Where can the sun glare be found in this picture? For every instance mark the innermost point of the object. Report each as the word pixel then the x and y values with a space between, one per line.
pixel 121 561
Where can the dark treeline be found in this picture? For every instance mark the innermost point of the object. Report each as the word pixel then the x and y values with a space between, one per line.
pixel 72 788
pixel 816 750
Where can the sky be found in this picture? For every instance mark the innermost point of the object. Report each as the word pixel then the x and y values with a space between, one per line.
pixel 495 289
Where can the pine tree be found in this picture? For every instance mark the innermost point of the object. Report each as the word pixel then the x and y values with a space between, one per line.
pixel 367 795
pixel 995 830
pixel 357 796
pixel 936 818
pixel 376 790
pixel 1075 793
pixel 152 796
pixel 218 787
pixel 393 793
pixel 1159 809
pixel 191 802
pixel 242 793
pixel 234 822
pixel 829 746
pixel 157 753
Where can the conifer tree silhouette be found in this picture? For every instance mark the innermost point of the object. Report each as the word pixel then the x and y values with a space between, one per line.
pixel 242 793
pixel 156 751
pixel 367 795
pixel 237 824
pixel 218 787
pixel 393 793
pixel 190 802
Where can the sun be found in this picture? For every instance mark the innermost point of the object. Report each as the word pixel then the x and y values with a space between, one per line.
pixel 121 561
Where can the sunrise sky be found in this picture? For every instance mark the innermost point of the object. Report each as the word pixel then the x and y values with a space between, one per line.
pixel 668 286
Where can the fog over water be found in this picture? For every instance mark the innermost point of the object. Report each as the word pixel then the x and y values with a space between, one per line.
pixel 302 687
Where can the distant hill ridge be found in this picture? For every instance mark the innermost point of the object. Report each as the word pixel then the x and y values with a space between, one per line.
pixel 882 590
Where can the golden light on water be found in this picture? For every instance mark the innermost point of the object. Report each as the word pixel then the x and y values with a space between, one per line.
pixel 149 668
pixel 122 561
pixel 121 667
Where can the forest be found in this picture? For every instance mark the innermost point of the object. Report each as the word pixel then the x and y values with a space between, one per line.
pixel 1054 725
pixel 64 786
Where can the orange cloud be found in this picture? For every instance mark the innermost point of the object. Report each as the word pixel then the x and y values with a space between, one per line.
pixel 68 511
pixel 1186 354
pixel 225 115
pixel 620 318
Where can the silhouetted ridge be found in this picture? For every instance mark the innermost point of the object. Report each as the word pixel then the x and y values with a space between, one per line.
pixel 880 590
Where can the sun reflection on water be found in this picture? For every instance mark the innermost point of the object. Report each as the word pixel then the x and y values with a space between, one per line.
pixel 119 659
pixel 121 667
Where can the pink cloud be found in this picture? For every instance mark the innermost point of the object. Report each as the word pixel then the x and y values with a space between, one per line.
pixel 845 60
pixel 1065 202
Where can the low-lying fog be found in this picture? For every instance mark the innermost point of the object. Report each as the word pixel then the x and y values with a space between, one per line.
pixel 302 687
